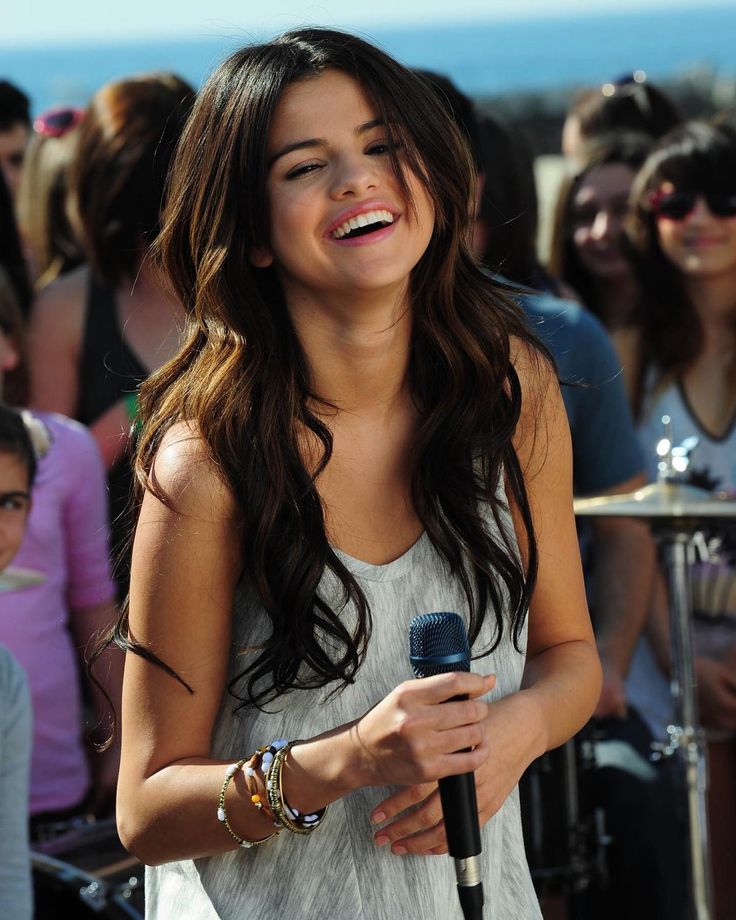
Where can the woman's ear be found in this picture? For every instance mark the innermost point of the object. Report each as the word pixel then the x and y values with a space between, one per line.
pixel 261 256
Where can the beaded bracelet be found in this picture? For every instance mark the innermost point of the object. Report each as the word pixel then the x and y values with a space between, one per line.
pixel 289 817
pixel 222 812
pixel 252 765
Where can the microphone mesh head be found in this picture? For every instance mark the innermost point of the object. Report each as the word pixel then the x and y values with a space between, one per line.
pixel 437 636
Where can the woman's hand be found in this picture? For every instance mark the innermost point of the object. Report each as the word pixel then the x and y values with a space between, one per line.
pixel 413 736
pixel 512 736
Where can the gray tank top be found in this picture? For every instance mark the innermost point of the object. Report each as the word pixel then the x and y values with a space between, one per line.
pixel 337 873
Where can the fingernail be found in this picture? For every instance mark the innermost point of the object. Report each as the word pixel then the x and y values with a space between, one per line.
pixel 399 851
pixel 381 840
pixel 377 817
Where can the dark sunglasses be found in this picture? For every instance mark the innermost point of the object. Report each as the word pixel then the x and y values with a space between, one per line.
pixel 56 122
pixel 677 205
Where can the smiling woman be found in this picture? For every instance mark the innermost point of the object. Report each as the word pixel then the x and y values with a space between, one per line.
pixel 358 428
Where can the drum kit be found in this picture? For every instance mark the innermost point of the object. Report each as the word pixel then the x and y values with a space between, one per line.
pixel 675 512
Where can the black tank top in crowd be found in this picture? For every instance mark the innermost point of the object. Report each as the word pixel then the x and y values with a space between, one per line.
pixel 109 370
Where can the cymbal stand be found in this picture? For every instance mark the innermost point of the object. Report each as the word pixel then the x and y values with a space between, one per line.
pixel 686 737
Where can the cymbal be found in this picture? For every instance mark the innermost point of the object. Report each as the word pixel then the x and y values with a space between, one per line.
pixel 660 501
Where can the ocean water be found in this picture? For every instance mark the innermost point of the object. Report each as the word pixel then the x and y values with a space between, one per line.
pixel 483 58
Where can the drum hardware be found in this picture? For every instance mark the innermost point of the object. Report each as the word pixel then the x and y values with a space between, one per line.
pixel 674 511
pixel 86 872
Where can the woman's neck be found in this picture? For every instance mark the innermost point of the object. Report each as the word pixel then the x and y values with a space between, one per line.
pixel 617 300
pixel 714 301
pixel 359 354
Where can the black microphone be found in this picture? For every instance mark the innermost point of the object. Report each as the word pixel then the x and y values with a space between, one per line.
pixel 438 643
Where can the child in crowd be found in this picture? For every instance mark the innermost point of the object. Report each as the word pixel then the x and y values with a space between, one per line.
pixel 48 622
pixel 17 471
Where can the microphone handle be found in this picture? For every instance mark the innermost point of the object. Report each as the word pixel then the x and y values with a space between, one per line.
pixel 460 811
pixel 460 805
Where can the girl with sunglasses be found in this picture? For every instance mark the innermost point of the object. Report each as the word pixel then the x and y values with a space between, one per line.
pixel 683 235
pixel 358 428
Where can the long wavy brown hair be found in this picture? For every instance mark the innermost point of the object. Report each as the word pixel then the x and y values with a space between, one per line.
pixel 700 157
pixel 242 378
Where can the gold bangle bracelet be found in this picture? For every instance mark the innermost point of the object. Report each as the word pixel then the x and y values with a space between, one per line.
pixel 277 802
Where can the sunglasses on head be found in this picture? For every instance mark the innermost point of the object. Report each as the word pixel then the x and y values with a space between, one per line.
pixel 56 122
pixel 677 205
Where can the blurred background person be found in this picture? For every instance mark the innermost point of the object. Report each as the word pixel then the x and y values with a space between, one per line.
pixel 17 471
pixel 15 132
pixel 506 219
pixel 99 331
pixel 48 618
pixel 588 242
pixel 51 247
pixel 12 261
pixel 629 103
pixel 644 865
pixel 683 233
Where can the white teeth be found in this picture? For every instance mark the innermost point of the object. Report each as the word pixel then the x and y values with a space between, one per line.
pixel 362 220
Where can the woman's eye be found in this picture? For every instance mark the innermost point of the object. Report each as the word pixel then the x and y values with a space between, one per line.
pixel 302 170
pixel 382 147
pixel 12 504
pixel 585 216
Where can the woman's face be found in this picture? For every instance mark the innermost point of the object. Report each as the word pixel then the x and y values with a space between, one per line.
pixel 340 223
pixel 599 208
pixel 700 244
pixel 15 503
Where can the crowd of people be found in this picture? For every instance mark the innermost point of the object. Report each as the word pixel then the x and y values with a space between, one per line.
pixel 280 367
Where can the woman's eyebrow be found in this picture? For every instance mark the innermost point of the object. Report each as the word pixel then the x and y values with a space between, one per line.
pixel 319 141
pixel 4 496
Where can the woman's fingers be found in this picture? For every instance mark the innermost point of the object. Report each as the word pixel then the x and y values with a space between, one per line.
pixel 408 797
pixel 418 831
pixel 444 687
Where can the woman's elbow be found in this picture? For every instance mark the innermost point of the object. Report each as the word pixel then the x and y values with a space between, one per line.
pixel 135 834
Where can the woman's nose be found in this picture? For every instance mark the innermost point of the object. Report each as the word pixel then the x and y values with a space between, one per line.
pixel 700 210
pixel 601 226
pixel 354 175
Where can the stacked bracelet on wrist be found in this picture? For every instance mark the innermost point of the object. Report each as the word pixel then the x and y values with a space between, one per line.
pixel 291 819
pixel 268 761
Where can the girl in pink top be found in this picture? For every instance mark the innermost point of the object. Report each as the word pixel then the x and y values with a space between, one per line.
pixel 63 595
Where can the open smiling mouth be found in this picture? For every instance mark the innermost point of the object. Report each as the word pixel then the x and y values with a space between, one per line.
pixel 363 224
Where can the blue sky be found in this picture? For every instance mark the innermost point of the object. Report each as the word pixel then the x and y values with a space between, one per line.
pixel 42 21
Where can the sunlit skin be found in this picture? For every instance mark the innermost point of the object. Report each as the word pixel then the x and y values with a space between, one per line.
pixel 599 208
pixel 572 138
pixel 327 162
pixel 13 143
pixel 15 503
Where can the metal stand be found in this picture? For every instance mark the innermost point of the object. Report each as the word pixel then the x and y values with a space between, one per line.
pixel 687 739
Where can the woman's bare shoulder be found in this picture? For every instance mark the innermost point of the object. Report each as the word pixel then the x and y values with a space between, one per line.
pixel 185 472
